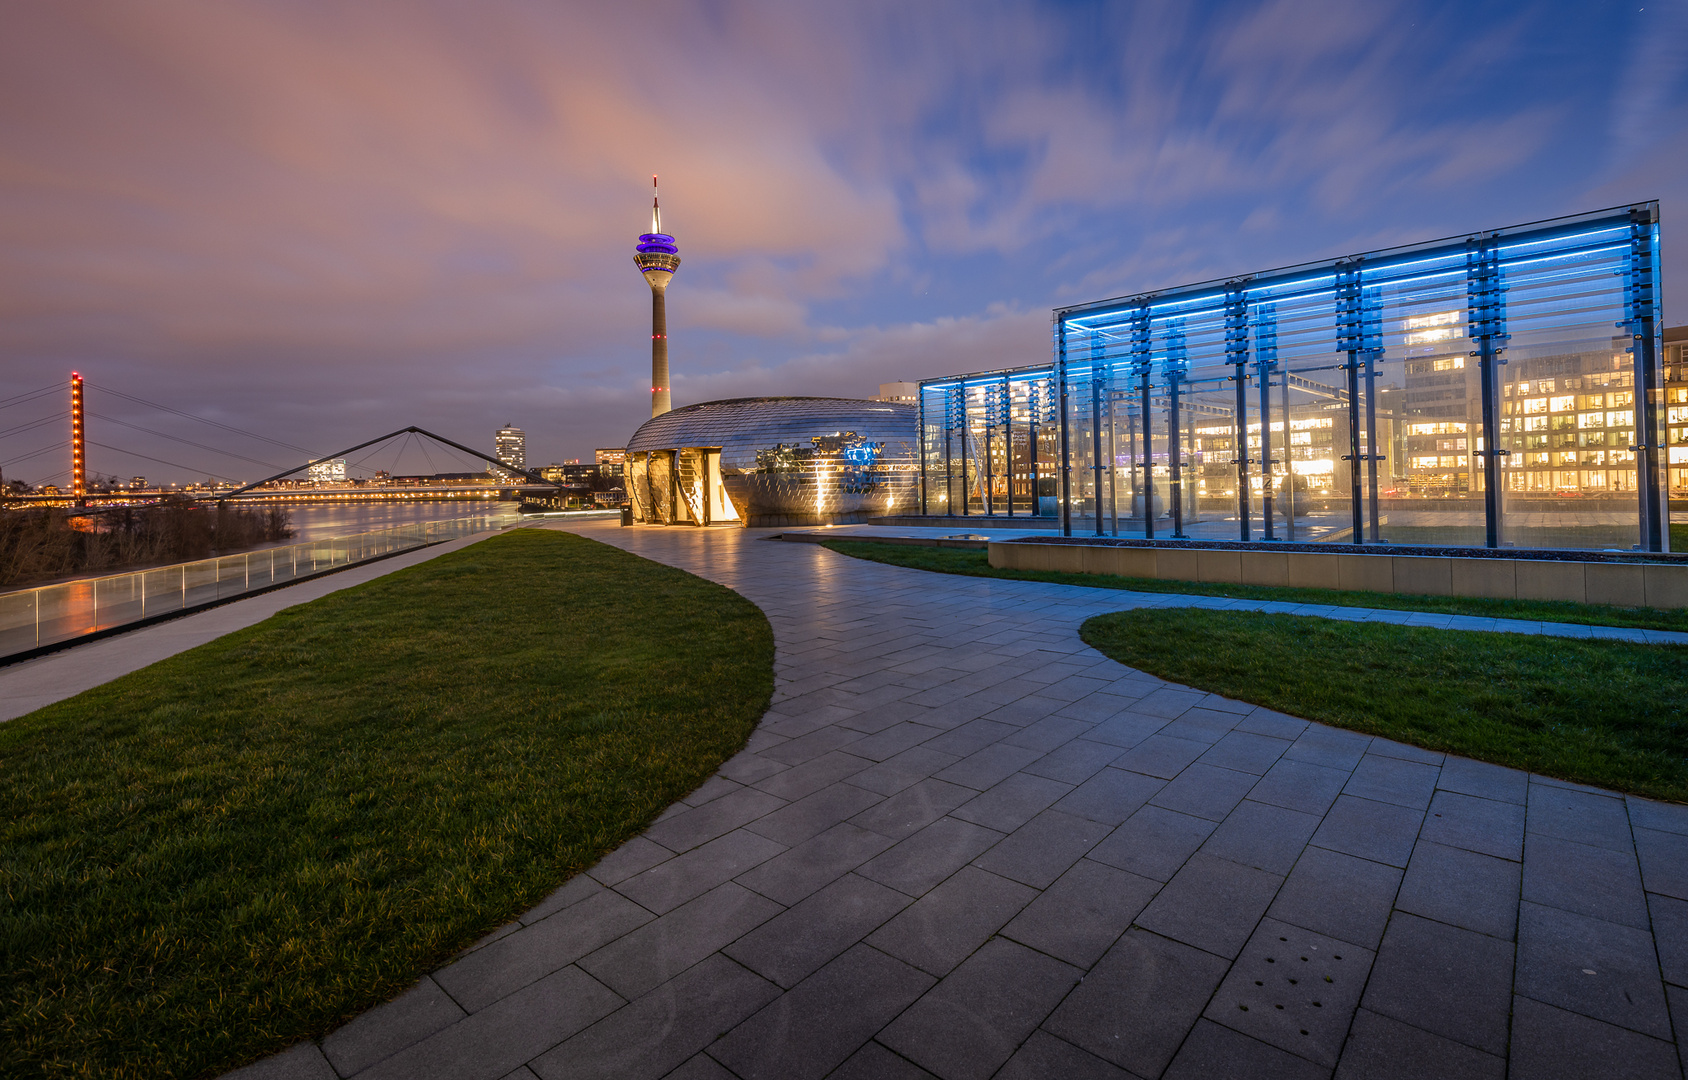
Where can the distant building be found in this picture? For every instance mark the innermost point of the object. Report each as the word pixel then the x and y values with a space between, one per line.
pixel 137 483
pixel 1676 409
pixel 332 471
pixel 611 461
pixel 509 445
pixel 903 393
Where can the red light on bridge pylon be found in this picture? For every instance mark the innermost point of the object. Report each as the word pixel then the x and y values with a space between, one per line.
pixel 78 441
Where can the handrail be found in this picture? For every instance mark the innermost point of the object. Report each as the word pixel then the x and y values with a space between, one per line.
pixel 49 615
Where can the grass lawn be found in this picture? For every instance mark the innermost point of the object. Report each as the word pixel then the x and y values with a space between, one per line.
pixel 976 564
pixel 1596 712
pixel 247 844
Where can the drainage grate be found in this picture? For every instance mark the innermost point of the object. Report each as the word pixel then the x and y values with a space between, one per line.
pixel 1294 989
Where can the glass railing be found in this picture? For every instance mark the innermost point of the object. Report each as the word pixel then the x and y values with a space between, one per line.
pixel 31 618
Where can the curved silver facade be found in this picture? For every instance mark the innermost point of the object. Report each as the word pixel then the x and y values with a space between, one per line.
pixel 774 461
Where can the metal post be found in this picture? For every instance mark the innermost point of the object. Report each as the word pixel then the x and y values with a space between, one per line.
pixel 1195 491
pixel 1033 404
pixel 1289 459
pixel 1241 445
pixel 1357 522
pixel 949 467
pixel 1485 324
pixel 1008 439
pixel 1372 456
pixel 920 414
pixel 1236 352
pixel 966 458
pixel 1096 435
pixel 1176 454
pixel 1655 534
pixel 1148 464
pixel 1113 468
pixel 1641 315
pixel 1065 446
pixel 1131 461
pixel 1264 367
pixel 1487 374
pixel 988 481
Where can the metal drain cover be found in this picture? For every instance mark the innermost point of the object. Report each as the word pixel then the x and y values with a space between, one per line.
pixel 1294 989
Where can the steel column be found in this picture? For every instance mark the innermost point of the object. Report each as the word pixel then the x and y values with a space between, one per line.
pixel 1486 325
pixel 1148 464
pixel 1236 353
pixel 1065 442
pixel 1642 322
pixel 1263 369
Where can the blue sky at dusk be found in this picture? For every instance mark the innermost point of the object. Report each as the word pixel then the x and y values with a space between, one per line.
pixel 321 221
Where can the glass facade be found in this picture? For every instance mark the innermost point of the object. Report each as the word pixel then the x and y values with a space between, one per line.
pixel 1507 388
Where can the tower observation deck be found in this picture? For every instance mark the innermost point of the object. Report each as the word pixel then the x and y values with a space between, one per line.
pixel 657 257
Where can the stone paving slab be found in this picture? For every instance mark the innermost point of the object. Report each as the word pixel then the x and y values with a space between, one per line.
pixel 963 845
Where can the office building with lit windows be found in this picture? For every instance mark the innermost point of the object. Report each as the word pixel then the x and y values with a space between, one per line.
pixel 509 445
pixel 1676 414
pixel 1513 387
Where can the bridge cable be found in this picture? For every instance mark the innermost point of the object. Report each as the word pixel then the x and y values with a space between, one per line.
pixel 34 424
pixel 189 442
pixel 19 399
pixel 203 420
pixel 37 453
pixel 161 461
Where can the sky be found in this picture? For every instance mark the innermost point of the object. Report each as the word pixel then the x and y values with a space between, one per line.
pixel 315 222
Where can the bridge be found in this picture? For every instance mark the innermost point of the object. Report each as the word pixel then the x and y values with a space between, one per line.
pixel 500 481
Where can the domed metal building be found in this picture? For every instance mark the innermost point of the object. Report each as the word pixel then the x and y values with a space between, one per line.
pixel 774 461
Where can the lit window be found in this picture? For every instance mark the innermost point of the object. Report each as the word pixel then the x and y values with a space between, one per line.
pixel 1429 329
pixel 1564 404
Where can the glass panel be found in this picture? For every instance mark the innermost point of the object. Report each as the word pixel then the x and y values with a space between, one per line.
pixel 1568 397
pixel 33 617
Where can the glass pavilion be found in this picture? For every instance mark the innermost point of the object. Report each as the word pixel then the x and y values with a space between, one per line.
pixel 1502 389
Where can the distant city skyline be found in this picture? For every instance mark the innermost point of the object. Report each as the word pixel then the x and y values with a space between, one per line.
pixel 317 223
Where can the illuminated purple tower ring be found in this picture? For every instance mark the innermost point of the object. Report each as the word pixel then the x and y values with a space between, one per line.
pixel 658 258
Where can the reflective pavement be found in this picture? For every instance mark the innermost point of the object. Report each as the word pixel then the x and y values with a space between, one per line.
pixel 963 844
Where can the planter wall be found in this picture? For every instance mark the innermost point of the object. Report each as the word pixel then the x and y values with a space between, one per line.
pixel 1621 584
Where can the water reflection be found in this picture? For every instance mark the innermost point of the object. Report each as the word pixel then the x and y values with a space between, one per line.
pixel 321 522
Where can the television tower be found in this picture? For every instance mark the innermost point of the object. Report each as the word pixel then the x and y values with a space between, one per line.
pixel 658 258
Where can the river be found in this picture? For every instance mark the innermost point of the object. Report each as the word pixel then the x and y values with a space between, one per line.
pixel 322 522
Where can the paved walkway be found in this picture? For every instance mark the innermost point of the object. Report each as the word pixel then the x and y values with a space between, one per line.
pixel 963 844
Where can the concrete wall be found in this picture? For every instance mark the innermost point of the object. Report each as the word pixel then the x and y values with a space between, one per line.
pixel 1622 584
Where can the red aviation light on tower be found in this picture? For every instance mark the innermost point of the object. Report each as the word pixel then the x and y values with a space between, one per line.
pixel 78 441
